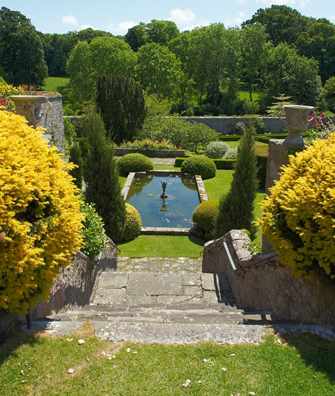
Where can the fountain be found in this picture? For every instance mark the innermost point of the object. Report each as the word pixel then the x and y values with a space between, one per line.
pixel 164 185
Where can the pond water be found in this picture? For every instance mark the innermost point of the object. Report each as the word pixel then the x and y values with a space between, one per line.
pixel 174 211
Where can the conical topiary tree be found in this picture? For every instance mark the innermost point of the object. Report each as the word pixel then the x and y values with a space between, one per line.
pixel 236 209
pixel 102 178
pixel 120 101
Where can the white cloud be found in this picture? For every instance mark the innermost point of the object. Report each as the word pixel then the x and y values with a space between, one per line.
pixel 235 21
pixel 70 20
pixel 186 19
pixel 123 27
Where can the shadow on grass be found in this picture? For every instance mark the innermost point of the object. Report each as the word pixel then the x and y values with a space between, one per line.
pixel 14 341
pixel 316 352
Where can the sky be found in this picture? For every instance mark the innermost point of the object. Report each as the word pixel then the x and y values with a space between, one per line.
pixel 116 16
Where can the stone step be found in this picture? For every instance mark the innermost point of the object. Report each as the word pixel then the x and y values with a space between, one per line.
pixel 162 333
pixel 161 289
pixel 187 314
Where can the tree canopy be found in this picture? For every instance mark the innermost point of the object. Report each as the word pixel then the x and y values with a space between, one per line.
pixel 21 51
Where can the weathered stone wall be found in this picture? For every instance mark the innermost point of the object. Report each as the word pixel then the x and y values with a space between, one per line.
pixel 54 120
pixel 227 124
pixel 74 285
pixel 261 283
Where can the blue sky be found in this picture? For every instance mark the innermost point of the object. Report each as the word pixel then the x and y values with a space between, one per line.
pixel 117 16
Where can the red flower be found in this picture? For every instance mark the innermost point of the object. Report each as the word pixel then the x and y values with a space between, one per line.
pixel 3 102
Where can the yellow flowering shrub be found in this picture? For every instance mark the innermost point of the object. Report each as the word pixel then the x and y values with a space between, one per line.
pixel 40 219
pixel 8 89
pixel 299 214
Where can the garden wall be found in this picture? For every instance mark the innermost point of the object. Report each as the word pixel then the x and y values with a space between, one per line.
pixel 260 283
pixel 227 124
pixel 75 284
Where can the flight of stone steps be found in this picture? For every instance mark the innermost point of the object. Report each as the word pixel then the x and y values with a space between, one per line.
pixel 152 305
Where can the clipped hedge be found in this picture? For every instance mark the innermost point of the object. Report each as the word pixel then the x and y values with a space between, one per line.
pixel 205 218
pixel 199 165
pixel 134 163
pixel 133 223
pixel 299 215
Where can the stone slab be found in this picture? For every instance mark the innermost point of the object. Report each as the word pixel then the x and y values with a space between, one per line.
pixel 154 284
pixel 192 279
pixel 207 281
pixel 113 297
pixel 113 280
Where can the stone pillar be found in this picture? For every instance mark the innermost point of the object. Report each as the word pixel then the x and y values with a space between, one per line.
pixel 279 150
pixel 44 111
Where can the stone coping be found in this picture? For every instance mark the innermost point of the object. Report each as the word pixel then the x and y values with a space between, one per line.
pixel 165 230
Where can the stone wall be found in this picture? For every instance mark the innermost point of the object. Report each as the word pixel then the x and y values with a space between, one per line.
pixel 75 284
pixel 54 121
pixel 261 283
pixel 227 124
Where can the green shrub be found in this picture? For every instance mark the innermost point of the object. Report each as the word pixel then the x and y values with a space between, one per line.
pixel 133 224
pixel 149 144
pixel 94 233
pixel 134 163
pixel 179 132
pixel 199 165
pixel 205 218
pixel 216 149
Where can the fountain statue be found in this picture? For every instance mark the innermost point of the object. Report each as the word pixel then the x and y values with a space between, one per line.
pixel 164 185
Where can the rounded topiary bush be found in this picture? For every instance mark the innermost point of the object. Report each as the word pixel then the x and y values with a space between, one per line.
pixel 299 215
pixel 133 223
pixel 199 165
pixel 134 163
pixel 40 218
pixel 216 149
pixel 205 218
pixel 94 233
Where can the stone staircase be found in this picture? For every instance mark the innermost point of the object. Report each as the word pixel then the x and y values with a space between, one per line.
pixel 146 305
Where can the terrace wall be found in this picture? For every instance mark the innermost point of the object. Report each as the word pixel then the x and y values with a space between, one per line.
pixel 227 124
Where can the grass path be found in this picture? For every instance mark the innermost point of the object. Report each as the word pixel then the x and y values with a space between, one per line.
pixel 39 366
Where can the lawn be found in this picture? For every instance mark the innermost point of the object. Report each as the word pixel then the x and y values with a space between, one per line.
pixel 304 365
pixel 161 246
pixel 53 84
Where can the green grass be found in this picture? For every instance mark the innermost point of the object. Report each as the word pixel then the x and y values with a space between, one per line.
pixel 161 246
pixel 261 149
pixel 54 83
pixel 38 366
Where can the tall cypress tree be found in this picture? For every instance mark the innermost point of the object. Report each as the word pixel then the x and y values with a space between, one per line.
pixel 120 101
pixel 102 178
pixel 236 208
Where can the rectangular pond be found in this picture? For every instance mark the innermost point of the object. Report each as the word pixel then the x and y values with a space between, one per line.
pixel 174 211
